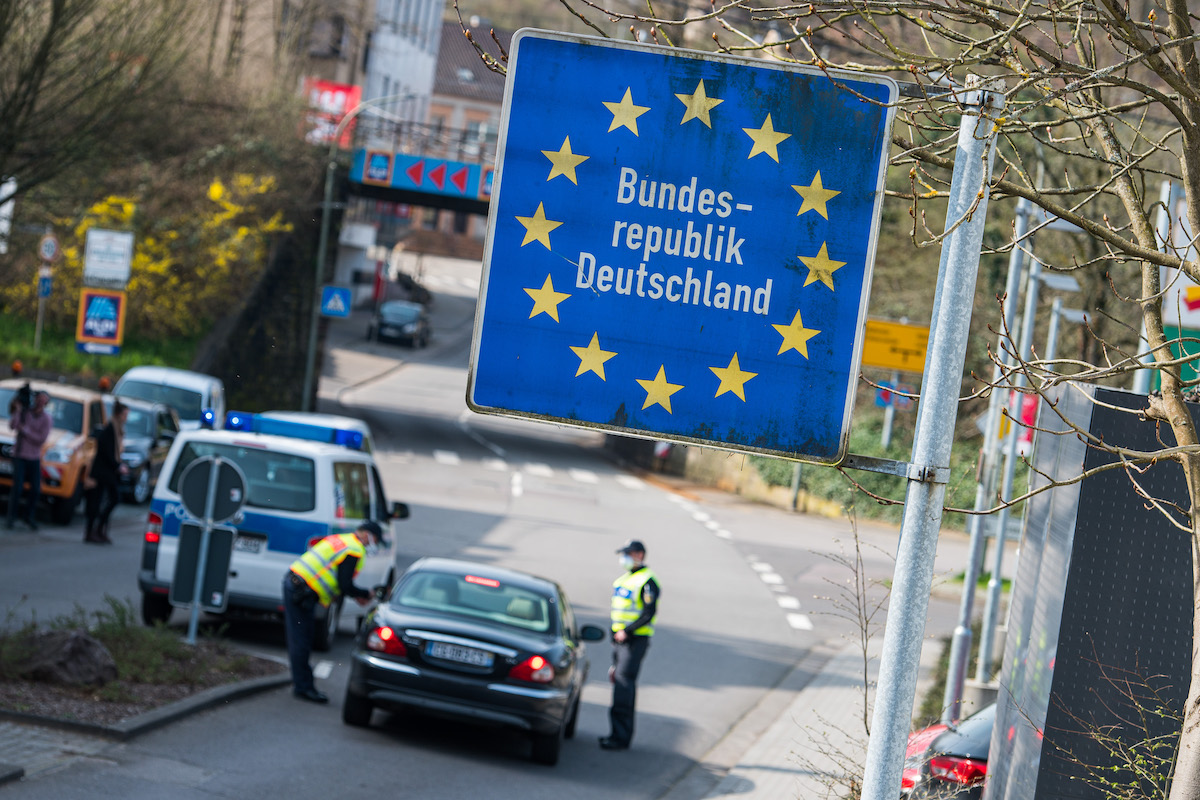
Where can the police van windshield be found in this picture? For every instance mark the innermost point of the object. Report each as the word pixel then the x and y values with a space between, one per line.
pixel 278 481
pixel 187 404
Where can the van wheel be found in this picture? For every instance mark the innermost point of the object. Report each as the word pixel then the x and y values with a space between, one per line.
pixel 141 488
pixel 62 510
pixel 156 608
pixel 325 629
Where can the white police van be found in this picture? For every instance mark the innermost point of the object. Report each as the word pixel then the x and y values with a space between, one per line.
pixel 304 481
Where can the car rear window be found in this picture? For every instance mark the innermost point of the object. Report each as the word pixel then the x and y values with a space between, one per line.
pixel 187 404
pixel 276 481
pixel 477 598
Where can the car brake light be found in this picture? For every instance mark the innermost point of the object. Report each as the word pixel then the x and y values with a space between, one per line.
pixel 385 640
pixel 957 770
pixel 478 581
pixel 153 528
pixel 534 669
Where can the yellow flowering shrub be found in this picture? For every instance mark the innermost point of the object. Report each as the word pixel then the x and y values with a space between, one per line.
pixel 188 269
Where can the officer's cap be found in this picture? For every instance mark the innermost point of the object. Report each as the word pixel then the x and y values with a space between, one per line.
pixel 373 529
pixel 632 546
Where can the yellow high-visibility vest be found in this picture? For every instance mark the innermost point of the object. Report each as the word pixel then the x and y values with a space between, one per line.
pixel 318 567
pixel 627 603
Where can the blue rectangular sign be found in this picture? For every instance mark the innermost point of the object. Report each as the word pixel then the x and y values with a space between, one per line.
pixel 680 245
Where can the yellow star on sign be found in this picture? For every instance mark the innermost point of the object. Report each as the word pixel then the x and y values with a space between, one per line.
pixel 592 358
pixel 733 379
pixel 625 113
pixel 766 140
pixel 537 227
pixel 815 197
pixel 659 391
pixel 795 336
pixel 564 162
pixel 821 267
pixel 698 105
pixel 546 300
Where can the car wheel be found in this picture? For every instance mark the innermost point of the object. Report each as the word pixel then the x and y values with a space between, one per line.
pixel 62 510
pixel 546 747
pixel 325 630
pixel 423 341
pixel 156 608
pixel 572 718
pixel 141 487
pixel 356 710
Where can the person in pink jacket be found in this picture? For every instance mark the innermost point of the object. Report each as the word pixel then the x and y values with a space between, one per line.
pixel 33 427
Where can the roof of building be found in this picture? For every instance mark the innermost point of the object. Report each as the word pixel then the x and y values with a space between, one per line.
pixel 461 72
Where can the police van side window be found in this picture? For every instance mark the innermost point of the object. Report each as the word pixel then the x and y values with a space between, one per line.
pixel 352 492
pixel 277 481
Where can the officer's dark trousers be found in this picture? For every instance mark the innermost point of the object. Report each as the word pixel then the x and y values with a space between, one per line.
pixel 627 661
pixel 299 606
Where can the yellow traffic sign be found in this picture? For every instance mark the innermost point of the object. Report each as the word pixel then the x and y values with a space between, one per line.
pixel 895 345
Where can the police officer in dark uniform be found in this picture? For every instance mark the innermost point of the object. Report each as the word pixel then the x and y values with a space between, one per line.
pixel 634 609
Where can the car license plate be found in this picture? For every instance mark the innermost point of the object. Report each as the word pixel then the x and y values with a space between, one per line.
pixel 463 655
pixel 248 544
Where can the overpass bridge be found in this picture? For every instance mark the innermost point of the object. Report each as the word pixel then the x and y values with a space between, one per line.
pixel 422 165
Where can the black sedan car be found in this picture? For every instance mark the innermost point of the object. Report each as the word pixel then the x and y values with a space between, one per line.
pixel 149 431
pixel 954 765
pixel 401 321
pixel 478 643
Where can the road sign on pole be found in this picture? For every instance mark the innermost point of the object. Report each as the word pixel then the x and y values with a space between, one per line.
pixel 680 244
pixel 895 345
pixel 212 489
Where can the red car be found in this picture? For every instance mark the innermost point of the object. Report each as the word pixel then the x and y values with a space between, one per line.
pixel 949 761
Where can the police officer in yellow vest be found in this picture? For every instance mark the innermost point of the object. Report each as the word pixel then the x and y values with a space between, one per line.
pixel 320 575
pixel 634 609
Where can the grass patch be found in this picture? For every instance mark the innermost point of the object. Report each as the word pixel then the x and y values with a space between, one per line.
pixel 143 655
pixel 58 353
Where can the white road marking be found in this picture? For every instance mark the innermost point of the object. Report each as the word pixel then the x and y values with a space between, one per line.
pixel 446 457
pixel 712 524
pixel 495 464
pixel 761 566
pixel 787 601
pixel 516 485
pixel 770 578
pixel 323 670
pixel 724 534
pixel 700 516
pixel 583 475
pixel 540 470
pixel 630 482
pixel 800 622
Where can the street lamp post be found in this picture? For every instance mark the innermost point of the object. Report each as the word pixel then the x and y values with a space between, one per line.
pixel 323 241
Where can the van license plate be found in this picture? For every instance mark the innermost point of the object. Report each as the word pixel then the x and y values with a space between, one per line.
pixel 463 655
pixel 248 544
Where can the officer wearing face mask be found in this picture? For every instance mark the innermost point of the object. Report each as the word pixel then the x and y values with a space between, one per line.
pixel 634 609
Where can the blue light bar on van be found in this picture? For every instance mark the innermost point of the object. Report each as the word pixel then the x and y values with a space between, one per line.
pixel 253 423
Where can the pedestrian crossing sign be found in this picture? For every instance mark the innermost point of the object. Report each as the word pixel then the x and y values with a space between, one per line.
pixel 335 301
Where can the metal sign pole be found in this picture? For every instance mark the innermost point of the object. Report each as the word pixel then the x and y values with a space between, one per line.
pixel 938 411
pixel 205 533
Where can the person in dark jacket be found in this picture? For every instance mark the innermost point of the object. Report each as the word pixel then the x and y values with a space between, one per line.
pixel 104 476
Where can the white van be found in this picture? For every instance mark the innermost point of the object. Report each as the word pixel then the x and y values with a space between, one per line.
pixel 297 491
pixel 199 399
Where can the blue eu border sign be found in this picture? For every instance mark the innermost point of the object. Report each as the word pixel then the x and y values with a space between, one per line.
pixel 680 245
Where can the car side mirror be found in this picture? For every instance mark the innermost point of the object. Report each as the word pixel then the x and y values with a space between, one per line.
pixel 399 511
pixel 591 633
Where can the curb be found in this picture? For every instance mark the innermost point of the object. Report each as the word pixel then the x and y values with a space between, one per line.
pixel 129 728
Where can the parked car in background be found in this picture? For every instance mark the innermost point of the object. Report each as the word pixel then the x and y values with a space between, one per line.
pixel 402 321
pixel 68 452
pixel 954 762
pixel 149 431
pixel 478 643
pixel 198 399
